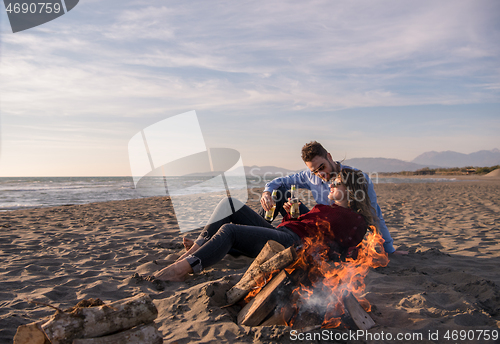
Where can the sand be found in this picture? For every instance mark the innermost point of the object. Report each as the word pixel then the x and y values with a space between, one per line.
pixel 450 280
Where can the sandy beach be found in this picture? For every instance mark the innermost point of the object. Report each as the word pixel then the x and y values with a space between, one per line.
pixel 449 282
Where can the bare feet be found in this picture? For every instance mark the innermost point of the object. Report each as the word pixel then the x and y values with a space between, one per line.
pixel 188 243
pixel 176 272
pixel 170 259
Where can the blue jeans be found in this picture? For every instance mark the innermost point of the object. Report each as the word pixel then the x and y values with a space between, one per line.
pixel 245 231
pixel 282 195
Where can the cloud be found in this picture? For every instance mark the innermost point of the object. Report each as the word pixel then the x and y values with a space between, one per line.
pixel 126 64
pixel 318 55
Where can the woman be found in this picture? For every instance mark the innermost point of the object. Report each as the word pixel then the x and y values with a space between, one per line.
pixel 344 222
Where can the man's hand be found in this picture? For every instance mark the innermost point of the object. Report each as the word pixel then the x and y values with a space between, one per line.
pixel 266 201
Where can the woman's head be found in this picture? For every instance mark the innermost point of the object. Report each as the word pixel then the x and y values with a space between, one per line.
pixel 350 188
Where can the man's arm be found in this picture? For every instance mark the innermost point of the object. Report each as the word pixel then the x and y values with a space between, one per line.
pixel 299 179
pixel 388 244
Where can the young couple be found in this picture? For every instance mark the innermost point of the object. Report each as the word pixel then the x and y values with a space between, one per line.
pixel 346 202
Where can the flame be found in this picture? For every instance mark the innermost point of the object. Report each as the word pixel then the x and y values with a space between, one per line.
pixel 260 282
pixel 330 281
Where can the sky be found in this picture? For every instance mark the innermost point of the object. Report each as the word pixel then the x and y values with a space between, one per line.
pixel 390 79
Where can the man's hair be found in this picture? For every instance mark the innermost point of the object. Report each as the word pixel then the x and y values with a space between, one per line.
pixel 313 149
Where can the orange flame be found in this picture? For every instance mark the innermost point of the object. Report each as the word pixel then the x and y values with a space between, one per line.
pixel 261 282
pixel 332 281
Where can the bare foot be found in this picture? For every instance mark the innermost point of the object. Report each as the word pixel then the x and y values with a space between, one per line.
pixel 188 243
pixel 176 272
pixel 170 259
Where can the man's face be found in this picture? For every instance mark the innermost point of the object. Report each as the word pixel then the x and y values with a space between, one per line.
pixel 322 167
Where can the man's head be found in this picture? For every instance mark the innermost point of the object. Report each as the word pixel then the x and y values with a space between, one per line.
pixel 318 160
pixel 312 150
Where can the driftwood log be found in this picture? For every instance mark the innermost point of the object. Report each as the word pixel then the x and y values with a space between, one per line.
pixel 142 334
pixel 256 274
pixel 31 333
pixel 264 303
pixel 89 322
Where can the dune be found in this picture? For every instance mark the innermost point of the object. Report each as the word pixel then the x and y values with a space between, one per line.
pixel 493 174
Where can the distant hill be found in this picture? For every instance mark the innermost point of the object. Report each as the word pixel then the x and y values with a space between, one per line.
pixel 432 160
pixel 383 165
pixel 483 158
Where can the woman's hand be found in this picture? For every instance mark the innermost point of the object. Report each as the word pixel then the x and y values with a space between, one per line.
pixel 288 205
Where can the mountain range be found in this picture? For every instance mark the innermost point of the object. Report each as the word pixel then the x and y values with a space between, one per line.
pixel 482 158
pixel 447 159
pixel 385 165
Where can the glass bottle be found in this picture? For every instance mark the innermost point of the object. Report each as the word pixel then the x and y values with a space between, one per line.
pixel 270 213
pixel 294 199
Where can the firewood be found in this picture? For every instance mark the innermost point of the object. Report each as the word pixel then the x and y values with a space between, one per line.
pixel 279 261
pixel 264 303
pixel 280 317
pixel 237 292
pixel 31 334
pixel 142 334
pixel 362 320
pixel 269 250
pixel 91 322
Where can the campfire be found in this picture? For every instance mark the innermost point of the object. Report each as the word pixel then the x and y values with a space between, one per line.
pixel 314 286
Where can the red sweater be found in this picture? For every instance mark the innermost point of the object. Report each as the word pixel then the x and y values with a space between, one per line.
pixel 333 222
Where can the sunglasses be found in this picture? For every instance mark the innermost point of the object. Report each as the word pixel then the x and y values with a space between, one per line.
pixel 336 183
pixel 319 169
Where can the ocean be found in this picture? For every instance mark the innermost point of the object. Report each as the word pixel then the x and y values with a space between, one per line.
pixel 36 192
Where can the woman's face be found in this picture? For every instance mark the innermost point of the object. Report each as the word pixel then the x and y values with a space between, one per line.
pixel 338 191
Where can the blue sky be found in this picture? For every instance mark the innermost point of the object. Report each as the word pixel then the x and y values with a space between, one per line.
pixel 387 79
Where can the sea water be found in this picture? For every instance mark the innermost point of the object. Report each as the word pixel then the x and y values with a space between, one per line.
pixel 35 192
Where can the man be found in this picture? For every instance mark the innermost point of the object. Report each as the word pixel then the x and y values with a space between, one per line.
pixel 321 168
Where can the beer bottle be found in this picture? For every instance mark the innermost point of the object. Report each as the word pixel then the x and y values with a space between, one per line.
pixel 294 199
pixel 270 213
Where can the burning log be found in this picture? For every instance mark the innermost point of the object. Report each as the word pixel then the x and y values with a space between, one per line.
pixel 271 258
pixel 89 322
pixel 324 292
pixel 264 303
pixel 281 316
pixel 362 320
